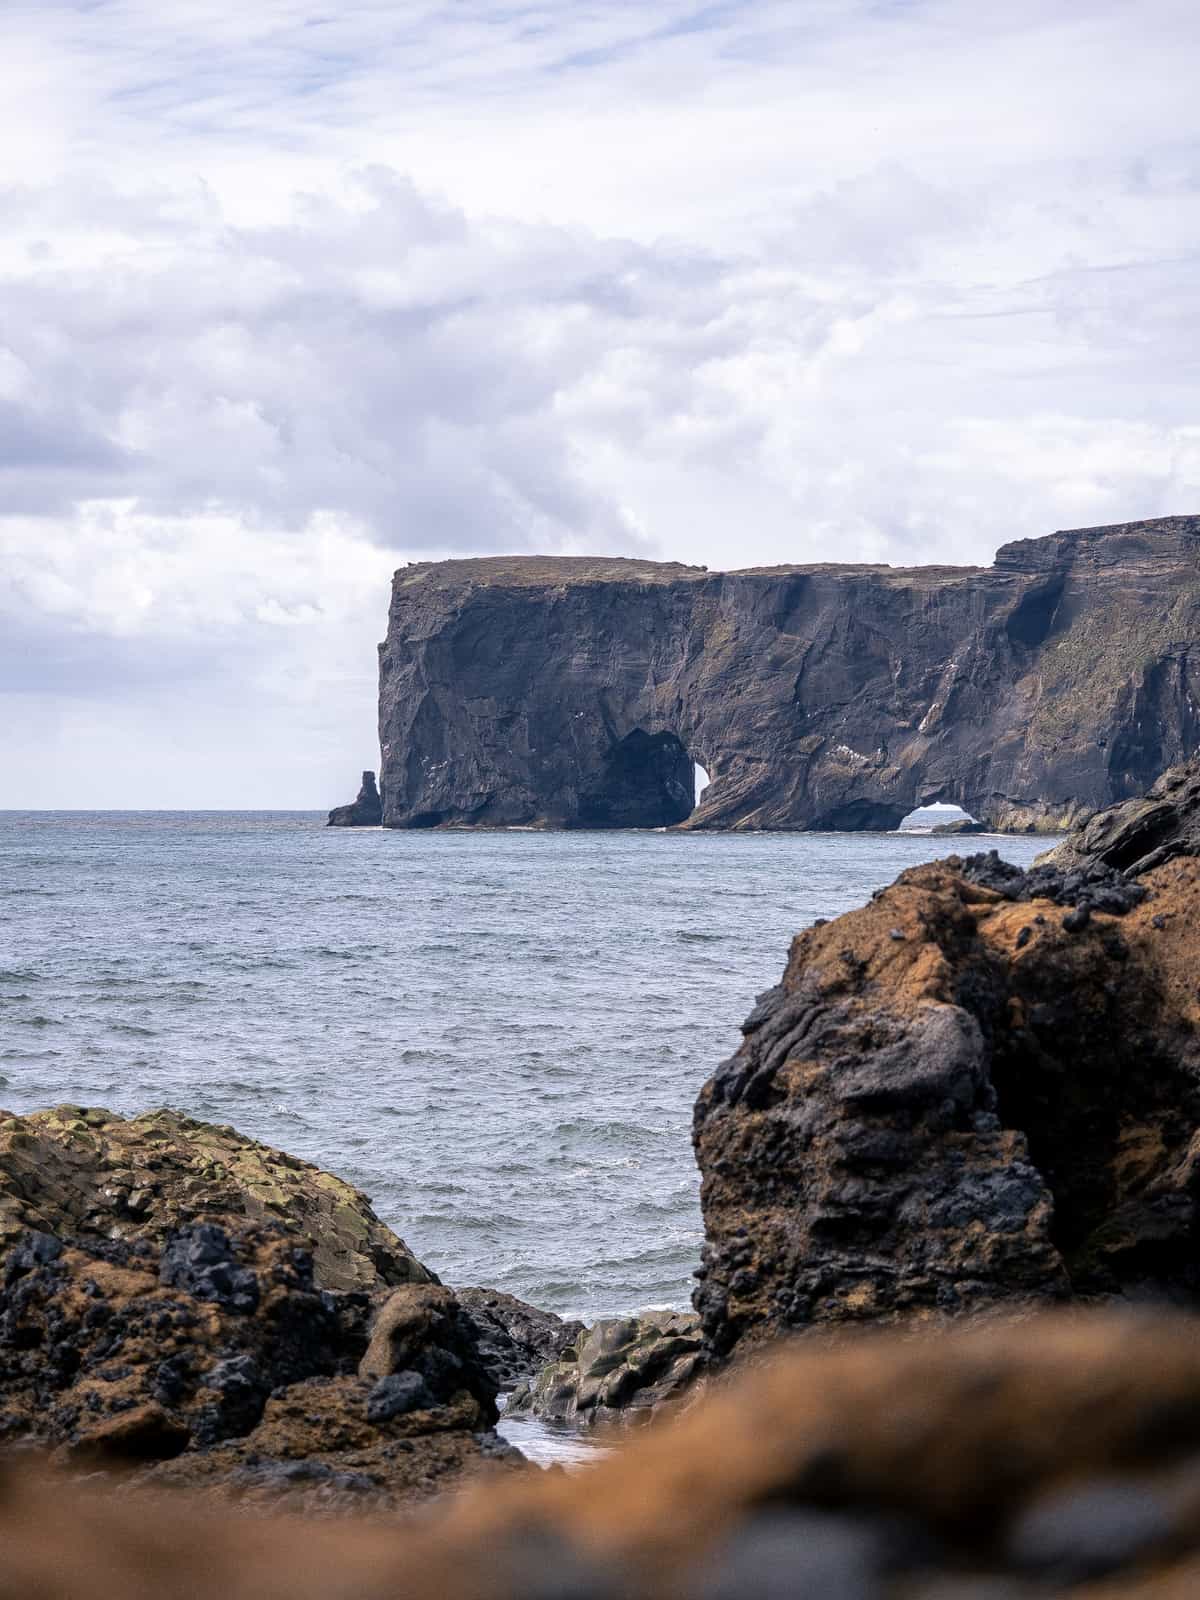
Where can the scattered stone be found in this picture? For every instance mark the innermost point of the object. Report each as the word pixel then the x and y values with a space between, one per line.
pixel 1057 1455
pixel 397 1395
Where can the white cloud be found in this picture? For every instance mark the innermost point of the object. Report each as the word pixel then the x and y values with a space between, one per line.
pixel 287 297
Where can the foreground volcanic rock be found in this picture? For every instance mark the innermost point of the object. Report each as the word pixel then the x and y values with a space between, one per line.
pixel 77 1170
pixel 212 1358
pixel 578 692
pixel 1059 1456
pixel 366 810
pixel 982 1089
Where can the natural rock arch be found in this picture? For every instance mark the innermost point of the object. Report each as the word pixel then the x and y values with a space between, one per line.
pixel 572 692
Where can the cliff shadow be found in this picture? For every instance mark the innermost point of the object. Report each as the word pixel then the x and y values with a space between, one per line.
pixel 648 780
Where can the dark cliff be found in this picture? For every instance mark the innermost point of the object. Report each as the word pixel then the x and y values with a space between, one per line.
pixel 575 692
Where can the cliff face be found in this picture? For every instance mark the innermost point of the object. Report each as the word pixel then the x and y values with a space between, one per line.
pixel 577 693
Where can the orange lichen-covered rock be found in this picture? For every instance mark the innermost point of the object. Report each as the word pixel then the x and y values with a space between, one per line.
pixel 980 1089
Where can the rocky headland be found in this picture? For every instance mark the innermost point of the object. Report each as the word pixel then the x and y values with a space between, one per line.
pixel 577 692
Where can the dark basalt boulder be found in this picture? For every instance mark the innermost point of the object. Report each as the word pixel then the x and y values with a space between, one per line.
pixel 979 1091
pixel 1136 835
pixel 514 1339
pixel 365 812
pixel 962 826
pixel 212 1359
pixel 578 692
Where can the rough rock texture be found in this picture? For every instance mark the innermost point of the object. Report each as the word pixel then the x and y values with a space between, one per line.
pixel 981 1089
pixel 366 810
pixel 515 1340
pixel 1057 1457
pixel 621 1370
pixel 214 1359
pixel 80 1170
pixel 1136 835
pixel 577 692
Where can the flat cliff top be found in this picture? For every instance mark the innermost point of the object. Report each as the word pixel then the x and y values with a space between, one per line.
pixel 1116 543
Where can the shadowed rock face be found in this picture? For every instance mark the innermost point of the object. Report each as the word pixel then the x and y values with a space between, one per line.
pixel 577 693
pixel 983 1088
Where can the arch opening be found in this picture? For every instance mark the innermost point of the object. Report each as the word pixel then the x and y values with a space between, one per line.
pixel 940 816
pixel 648 780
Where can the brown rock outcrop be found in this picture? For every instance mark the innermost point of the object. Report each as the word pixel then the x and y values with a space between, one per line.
pixel 77 1170
pixel 215 1359
pixel 515 1339
pixel 981 1089
pixel 1060 1456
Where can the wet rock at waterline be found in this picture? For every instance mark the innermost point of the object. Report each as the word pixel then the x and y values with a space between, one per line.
pixel 366 811
pixel 623 1369
pixel 76 1170
pixel 981 1090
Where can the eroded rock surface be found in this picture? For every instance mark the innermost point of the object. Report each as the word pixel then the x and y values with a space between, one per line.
pixel 515 1339
pixel 980 1090
pixel 1139 834
pixel 621 1370
pixel 366 810
pixel 78 1170
pixel 213 1359
pixel 1060 1456
pixel 578 692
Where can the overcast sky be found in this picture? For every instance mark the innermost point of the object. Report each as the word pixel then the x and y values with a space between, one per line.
pixel 292 295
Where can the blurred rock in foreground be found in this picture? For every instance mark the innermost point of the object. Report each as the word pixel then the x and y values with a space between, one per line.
pixel 1055 1456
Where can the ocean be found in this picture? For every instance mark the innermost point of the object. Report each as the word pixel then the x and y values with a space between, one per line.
pixel 498 1036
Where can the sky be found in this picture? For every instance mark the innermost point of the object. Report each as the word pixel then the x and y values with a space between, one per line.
pixel 291 296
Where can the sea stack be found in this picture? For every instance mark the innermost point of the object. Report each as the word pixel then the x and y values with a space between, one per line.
pixel 366 811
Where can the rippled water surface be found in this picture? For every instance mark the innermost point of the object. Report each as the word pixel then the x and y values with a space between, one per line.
pixel 498 1036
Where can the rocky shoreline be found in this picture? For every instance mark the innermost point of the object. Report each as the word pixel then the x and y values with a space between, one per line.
pixel 969 1112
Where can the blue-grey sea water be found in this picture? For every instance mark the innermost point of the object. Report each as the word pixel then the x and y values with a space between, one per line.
pixel 499 1036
